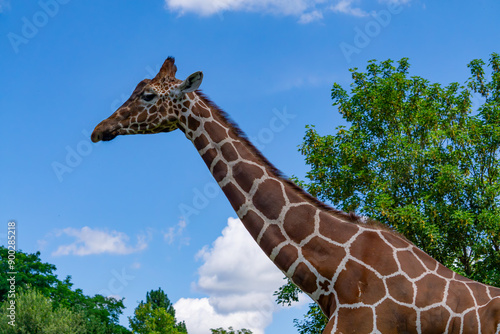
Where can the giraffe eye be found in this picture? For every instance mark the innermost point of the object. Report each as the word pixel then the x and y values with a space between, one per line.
pixel 147 96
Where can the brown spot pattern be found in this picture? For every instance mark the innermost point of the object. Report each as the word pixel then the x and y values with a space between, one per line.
pixel 430 290
pixel 444 272
pixel 400 289
pixel 356 284
pixel 455 325
pixel 201 142
pixel 253 223
pixel 246 174
pixel 244 152
pixel 286 257
pixel 410 264
pixel 199 110
pixel 471 326
pixel 495 292
pixel 220 171
pixel 324 256
pixel 216 132
pixel 434 320
pixel 209 156
pixel 373 251
pixel 193 123
pixel 271 237
pixel 328 304
pixel 358 320
pixel 292 196
pixel 142 117
pixel 394 240
pixel 480 293
pixel 428 261
pixel 395 318
pixel 459 298
pixel 228 152
pixel 304 278
pixel 237 198
pixel 490 311
pixel 299 222
pixel 334 230
pixel 269 199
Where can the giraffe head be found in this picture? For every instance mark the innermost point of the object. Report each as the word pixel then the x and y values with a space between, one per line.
pixel 154 106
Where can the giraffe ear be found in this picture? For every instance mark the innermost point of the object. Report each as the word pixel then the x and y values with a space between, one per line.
pixel 191 83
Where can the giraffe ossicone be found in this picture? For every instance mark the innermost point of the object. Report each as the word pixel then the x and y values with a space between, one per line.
pixel 365 278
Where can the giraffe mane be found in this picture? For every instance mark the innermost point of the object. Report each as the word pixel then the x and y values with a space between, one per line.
pixel 350 217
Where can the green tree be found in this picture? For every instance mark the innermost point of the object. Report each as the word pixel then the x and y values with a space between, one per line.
pixel 34 313
pixel 418 158
pixel 156 315
pixel 31 271
pixel 230 330
pixel 314 320
pixel 100 314
pixel 152 320
pixel 159 298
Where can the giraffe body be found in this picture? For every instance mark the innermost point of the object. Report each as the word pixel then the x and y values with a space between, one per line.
pixel 365 278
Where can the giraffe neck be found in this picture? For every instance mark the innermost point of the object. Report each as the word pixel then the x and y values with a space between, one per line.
pixel 353 271
pixel 279 216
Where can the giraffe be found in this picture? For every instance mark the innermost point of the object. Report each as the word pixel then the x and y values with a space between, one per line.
pixel 365 277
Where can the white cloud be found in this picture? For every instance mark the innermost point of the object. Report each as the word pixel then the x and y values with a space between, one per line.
pixel 90 241
pixel 200 316
pixel 310 17
pixel 175 232
pixel 306 10
pixel 239 280
pixel 209 7
pixel 346 7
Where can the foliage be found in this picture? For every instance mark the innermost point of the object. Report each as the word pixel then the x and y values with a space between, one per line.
pixel 230 330
pixel 34 313
pixel 156 315
pixel 418 158
pixel 100 314
pixel 152 320
pixel 287 294
pixel 314 321
pixel 158 298
pixel 31 271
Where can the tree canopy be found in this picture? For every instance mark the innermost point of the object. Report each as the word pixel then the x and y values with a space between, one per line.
pixel 35 314
pixel 100 314
pixel 31 271
pixel 156 316
pixel 420 158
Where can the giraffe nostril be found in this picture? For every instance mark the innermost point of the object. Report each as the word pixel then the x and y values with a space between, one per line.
pixel 96 137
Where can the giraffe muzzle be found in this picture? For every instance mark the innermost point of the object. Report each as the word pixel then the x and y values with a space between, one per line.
pixel 102 136
pixel 105 131
pixel 102 133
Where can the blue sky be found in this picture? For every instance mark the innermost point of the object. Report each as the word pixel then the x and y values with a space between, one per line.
pixel 142 212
